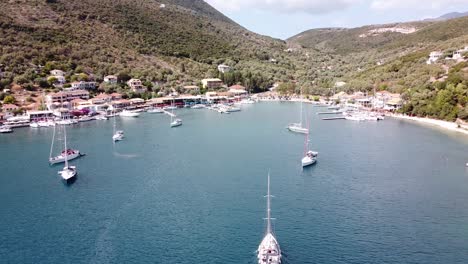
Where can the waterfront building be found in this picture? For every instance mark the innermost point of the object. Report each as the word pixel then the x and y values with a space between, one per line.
pixel 238 90
pixel 191 89
pixel 58 100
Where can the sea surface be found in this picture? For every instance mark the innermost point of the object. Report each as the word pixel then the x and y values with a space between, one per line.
pixel 381 192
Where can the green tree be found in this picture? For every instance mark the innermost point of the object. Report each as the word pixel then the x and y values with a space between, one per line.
pixel 9 99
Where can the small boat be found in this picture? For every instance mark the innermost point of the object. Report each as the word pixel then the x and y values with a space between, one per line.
pixel 155 110
pixel 233 109
pixel 310 157
pixel 118 136
pixel 247 101
pixel 101 117
pixel 68 173
pixel 126 113
pixel 297 127
pixel 269 251
pixel 34 125
pixel 198 106
pixel 85 119
pixel 177 122
pixel 5 129
pixel 170 107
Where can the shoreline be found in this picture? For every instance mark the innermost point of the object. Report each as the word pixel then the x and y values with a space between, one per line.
pixel 449 126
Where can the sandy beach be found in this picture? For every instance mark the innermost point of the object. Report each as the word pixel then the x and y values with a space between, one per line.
pixel 452 126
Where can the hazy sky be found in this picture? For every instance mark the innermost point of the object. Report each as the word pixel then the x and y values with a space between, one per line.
pixel 285 18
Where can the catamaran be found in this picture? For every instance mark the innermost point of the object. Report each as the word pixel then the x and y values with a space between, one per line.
pixel 68 172
pixel 269 251
pixel 310 157
pixel 66 154
pixel 297 127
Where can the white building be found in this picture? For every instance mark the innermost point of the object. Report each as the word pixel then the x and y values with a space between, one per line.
pixel 212 83
pixel 57 73
pixel 110 79
pixel 82 86
pixel 136 85
pixel 434 57
pixel 458 55
pixel 224 68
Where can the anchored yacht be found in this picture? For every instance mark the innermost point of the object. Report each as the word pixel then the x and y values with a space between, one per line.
pixel 269 251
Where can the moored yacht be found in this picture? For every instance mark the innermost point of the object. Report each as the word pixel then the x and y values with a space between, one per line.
pixel 198 106
pixel 155 110
pixel 297 127
pixel 68 173
pixel 69 154
pixel 118 136
pixel 5 129
pixel 127 113
pixel 269 251
pixel 177 122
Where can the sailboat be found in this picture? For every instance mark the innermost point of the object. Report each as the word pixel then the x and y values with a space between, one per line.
pixel 177 121
pixel 310 157
pixel 65 155
pixel 118 135
pixel 68 172
pixel 269 251
pixel 297 127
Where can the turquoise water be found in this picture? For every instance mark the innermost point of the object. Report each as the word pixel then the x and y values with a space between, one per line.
pixel 387 192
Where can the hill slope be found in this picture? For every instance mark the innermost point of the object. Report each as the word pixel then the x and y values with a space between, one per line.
pixel 182 40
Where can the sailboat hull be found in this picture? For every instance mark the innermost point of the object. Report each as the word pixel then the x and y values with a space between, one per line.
pixel 298 129
pixel 308 161
pixel 61 158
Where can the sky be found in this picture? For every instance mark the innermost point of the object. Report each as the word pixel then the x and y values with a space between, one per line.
pixel 285 18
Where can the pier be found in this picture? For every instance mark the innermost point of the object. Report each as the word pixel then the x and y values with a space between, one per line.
pixel 334 118
pixel 330 113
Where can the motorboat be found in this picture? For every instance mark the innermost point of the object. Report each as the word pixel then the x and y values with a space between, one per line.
pixel 269 251
pixel 127 113
pixel 118 136
pixel 34 125
pixel 5 129
pixel 198 106
pixel 101 117
pixel 155 110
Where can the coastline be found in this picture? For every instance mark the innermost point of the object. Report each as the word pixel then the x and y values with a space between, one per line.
pixel 451 126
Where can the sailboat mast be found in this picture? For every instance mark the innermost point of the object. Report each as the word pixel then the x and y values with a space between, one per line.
pixel 65 143
pixel 52 144
pixel 268 207
pixel 300 98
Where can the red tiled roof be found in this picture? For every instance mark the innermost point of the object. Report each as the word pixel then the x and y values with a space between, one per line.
pixel 237 87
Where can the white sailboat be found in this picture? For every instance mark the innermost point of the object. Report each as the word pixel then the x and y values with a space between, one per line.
pixel 310 157
pixel 118 135
pixel 68 172
pixel 297 127
pixel 66 154
pixel 177 121
pixel 269 251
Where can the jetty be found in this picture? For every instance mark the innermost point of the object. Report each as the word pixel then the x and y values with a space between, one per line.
pixel 169 113
pixel 334 118
pixel 330 113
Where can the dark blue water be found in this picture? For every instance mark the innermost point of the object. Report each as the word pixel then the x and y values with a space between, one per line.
pixel 387 192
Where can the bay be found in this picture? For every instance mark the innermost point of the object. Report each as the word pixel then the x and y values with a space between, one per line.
pixel 382 192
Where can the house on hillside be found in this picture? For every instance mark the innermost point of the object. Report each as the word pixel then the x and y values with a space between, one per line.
pixel 57 73
pixel 212 83
pixel 434 57
pixel 458 55
pixel 224 68
pixel 191 89
pixel 9 109
pixel 82 86
pixel 136 85
pixel 111 79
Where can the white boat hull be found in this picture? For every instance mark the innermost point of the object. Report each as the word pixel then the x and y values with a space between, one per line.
pixel 61 158
pixel 119 136
pixel 129 114
pixel 176 123
pixel 296 128
pixel 269 251
pixel 307 161
pixel 68 173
